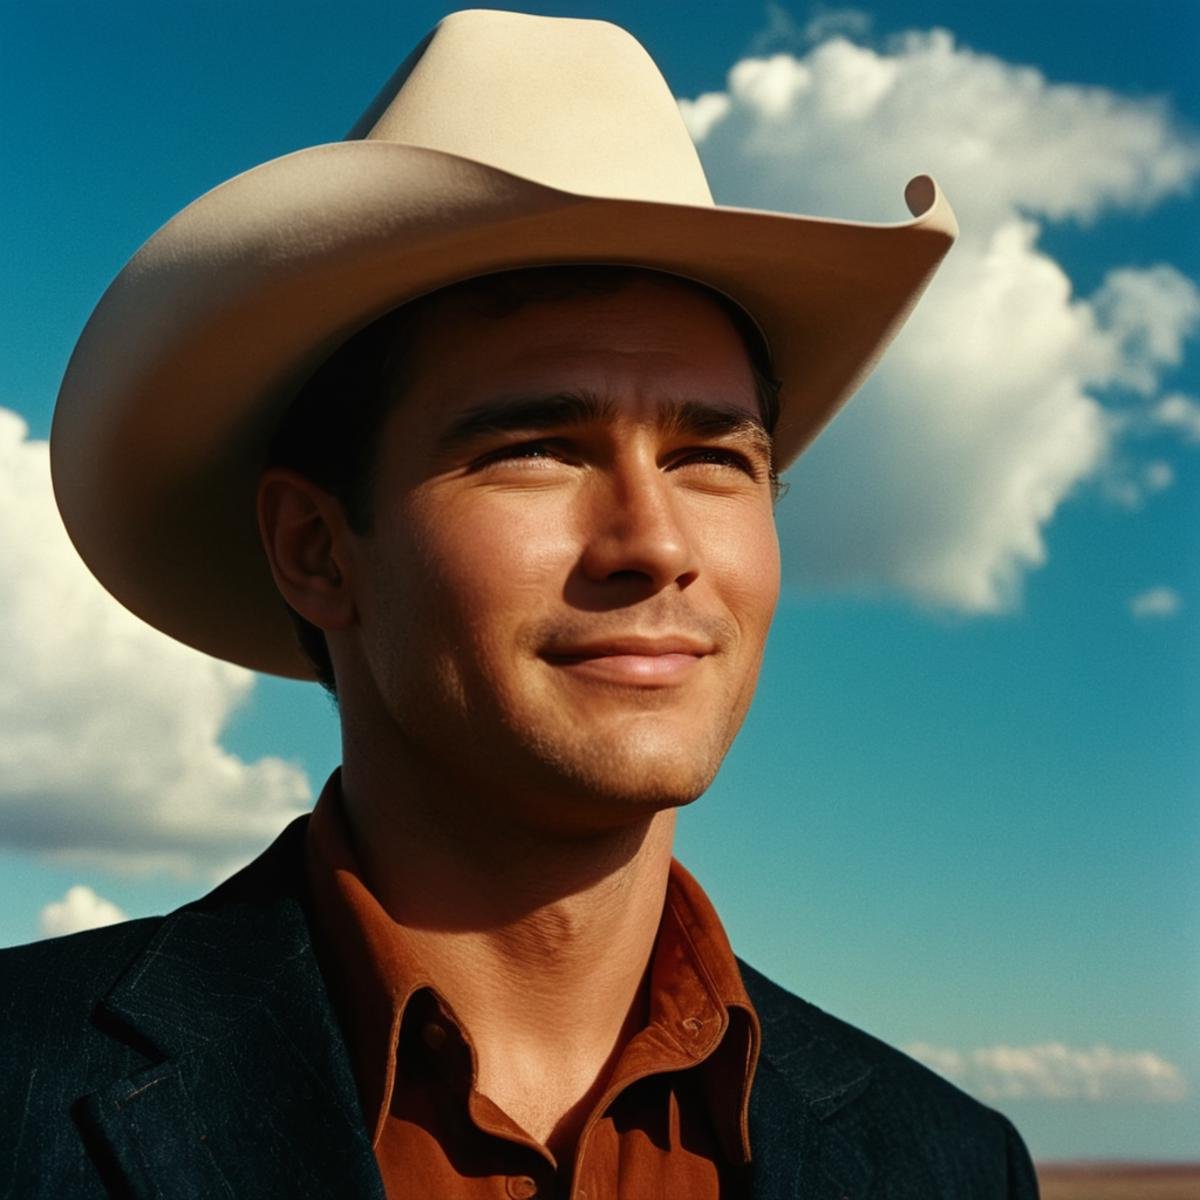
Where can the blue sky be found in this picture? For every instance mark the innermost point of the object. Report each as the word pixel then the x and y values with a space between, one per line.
pixel 964 810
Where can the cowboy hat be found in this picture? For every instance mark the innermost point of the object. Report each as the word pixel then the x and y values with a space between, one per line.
pixel 503 141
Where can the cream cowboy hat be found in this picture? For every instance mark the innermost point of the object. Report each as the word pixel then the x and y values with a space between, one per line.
pixel 503 141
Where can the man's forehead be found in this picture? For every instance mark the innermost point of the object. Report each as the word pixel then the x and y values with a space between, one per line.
pixel 647 350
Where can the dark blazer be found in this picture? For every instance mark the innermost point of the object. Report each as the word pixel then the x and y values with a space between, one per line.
pixel 197 1055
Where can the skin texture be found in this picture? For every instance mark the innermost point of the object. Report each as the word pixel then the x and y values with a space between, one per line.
pixel 544 645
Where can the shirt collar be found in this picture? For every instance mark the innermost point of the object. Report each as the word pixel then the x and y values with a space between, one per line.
pixel 699 1007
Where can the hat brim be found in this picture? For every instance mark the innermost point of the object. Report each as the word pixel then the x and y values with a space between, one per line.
pixel 196 348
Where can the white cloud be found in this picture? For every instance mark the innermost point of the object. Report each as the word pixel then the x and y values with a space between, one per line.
pixel 988 413
pixel 1179 413
pixel 109 731
pixel 704 112
pixel 1156 602
pixel 829 22
pixel 1146 316
pixel 781 31
pixel 79 909
pixel 1000 137
pixel 1157 476
pixel 1052 1071
pixel 1130 484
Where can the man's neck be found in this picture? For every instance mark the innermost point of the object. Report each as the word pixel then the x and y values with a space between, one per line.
pixel 539 942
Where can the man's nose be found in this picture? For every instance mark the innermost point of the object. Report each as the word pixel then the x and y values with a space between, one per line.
pixel 637 530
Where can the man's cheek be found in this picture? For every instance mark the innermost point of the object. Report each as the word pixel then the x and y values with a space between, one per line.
pixel 748 578
pixel 507 563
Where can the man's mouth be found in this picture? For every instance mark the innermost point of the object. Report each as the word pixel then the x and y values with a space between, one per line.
pixel 632 661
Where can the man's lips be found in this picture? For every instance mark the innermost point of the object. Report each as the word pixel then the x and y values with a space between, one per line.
pixel 645 662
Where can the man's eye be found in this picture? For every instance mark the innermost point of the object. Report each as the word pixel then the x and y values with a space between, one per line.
pixel 534 451
pixel 717 456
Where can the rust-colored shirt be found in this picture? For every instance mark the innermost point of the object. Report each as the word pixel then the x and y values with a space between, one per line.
pixel 671 1123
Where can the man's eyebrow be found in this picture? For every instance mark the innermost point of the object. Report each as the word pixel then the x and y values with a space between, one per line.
pixel 565 409
pixel 705 419
pixel 515 414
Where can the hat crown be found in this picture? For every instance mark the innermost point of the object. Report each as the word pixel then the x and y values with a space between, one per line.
pixel 575 104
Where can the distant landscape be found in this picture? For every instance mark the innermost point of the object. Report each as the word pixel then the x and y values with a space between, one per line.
pixel 1119 1181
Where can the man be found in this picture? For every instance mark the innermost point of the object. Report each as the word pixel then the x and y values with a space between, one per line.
pixel 479 405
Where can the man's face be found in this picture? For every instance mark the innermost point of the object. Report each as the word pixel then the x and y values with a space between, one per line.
pixel 564 597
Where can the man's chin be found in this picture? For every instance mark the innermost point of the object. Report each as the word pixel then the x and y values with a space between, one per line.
pixel 611 786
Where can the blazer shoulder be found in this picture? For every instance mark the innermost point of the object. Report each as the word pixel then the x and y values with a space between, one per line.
pixel 927 1112
pixel 64 977
pixel 786 1017
pixel 76 963
pixel 49 989
pixel 84 1014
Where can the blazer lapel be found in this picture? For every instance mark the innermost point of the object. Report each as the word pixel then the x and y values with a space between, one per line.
pixel 253 1094
pixel 802 1083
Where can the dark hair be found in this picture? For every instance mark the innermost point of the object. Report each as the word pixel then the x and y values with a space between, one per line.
pixel 330 431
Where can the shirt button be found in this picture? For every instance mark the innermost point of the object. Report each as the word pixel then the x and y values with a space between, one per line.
pixel 433 1035
pixel 692 1025
pixel 521 1187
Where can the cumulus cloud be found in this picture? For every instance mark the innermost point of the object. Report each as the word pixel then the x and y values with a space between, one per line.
pixel 1157 476
pixel 1052 1071
pixel 1178 413
pixel 783 32
pixel 1131 484
pixel 1156 602
pixel 829 22
pixel 79 909
pixel 1000 398
pixel 780 32
pixel 1146 316
pixel 109 731
pixel 1001 137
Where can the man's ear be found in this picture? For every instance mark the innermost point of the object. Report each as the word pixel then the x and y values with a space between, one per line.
pixel 304 531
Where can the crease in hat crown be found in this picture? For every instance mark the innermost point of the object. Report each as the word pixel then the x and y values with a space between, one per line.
pixel 503 141
pixel 572 103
